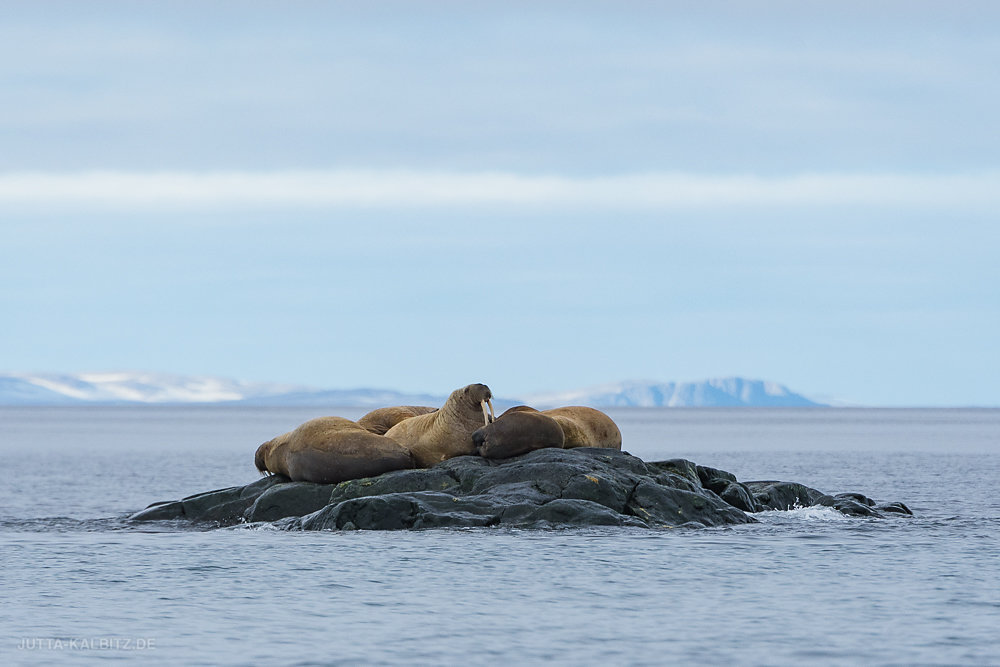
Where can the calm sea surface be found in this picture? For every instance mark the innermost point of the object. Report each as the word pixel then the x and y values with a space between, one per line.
pixel 80 584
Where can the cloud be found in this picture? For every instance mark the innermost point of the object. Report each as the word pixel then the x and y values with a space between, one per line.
pixel 399 188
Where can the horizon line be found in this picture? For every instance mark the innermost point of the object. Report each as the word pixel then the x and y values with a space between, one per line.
pixel 391 188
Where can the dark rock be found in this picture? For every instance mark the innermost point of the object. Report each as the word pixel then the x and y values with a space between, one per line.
pixel 852 507
pixel 465 469
pixel 707 475
pixel 856 497
pixel 894 508
pixel 534 492
pixel 739 496
pixel 397 481
pixel 659 505
pixel 716 485
pixel 556 474
pixel 575 512
pixel 725 485
pixel 301 498
pixel 222 506
pixel 545 488
pixel 163 511
pixel 598 489
pixel 677 482
pixel 225 514
pixel 681 467
pixel 785 495
pixel 289 499
pixel 396 511
pixel 613 461
pixel 261 485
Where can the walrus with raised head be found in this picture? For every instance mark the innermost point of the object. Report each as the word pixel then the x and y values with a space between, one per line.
pixel 327 450
pixel 381 420
pixel 518 432
pixel 446 433
pixel 581 426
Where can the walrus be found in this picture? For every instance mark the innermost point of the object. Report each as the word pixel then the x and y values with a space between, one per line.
pixel 581 426
pixel 518 432
pixel 437 436
pixel 327 450
pixel 381 420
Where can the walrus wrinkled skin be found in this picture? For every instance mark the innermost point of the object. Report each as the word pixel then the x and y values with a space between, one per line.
pixel 516 433
pixel 328 450
pixel 581 426
pixel 381 420
pixel 447 433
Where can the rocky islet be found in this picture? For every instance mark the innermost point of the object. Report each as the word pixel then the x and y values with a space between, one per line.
pixel 545 488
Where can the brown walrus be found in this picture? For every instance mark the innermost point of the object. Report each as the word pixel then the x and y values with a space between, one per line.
pixel 327 450
pixel 581 426
pixel 518 432
pixel 441 435
pixel 381 420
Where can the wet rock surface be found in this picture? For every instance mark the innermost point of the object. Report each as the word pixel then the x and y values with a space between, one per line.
pixel 546 488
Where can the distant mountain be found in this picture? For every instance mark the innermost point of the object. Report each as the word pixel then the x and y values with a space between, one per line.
pixel 122 388
pixel 358 398
pixel 22 391
pixel 722 392
pixel 128 388
pixel 158 388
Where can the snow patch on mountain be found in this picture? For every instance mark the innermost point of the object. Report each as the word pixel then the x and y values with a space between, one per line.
pixel 124 387
pixel 719 392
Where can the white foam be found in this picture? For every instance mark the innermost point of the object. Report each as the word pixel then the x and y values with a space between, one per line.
pixel 813 513
pixel 257 527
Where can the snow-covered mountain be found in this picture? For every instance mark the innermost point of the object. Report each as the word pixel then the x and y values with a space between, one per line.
pixel 114 388
pixel 157 388
pixel 721 392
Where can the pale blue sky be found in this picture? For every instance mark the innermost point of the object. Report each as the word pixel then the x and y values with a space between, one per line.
pixel 424 195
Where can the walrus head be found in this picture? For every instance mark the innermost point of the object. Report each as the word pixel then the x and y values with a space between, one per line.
pixel 517 432
pixel 480 394
pixel 259 458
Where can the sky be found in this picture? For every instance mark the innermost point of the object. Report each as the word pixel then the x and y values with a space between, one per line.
pixel 538 196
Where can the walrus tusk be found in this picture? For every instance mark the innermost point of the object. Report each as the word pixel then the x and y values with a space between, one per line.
pixel 493 417
pixel 486 415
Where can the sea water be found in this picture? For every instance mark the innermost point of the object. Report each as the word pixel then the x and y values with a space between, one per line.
pixel 82 584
